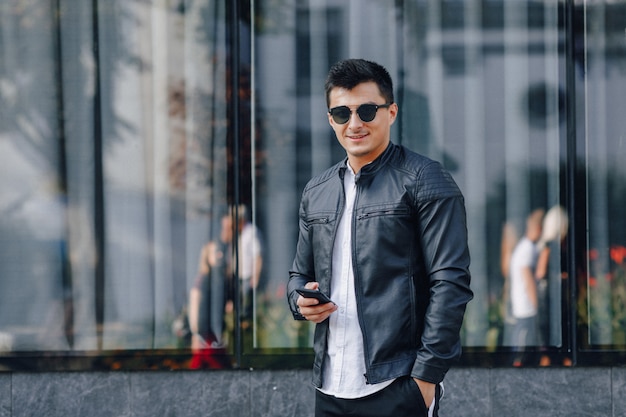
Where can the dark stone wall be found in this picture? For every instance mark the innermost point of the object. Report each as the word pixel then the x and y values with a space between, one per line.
pixel 567 392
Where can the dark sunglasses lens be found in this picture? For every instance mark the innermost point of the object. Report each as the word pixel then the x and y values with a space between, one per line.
pixel 367 112
pixel 340 114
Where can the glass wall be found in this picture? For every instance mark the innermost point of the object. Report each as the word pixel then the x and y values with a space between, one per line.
pixel 481 88
pixel 152 156
pixel 116 171
pixel 601 75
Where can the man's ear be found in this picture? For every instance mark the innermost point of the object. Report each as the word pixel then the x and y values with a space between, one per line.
pixel 393 112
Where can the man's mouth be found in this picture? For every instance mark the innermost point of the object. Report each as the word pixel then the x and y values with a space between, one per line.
pixel 356 137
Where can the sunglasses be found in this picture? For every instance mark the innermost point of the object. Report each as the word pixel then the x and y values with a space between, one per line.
pixel 366 112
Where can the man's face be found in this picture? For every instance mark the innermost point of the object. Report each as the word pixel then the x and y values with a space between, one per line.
pixel 363 141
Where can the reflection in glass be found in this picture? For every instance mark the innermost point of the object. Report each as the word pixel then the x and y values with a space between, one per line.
pixel 601 75
pixel 118 165
pixel 115 167
pixel 35 303
pixel 480 87
pixel 225 268
pixel 164 162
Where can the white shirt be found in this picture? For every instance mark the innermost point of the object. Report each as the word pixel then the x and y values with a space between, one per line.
pixel 249 251
pixel 524 256
pixel 344 365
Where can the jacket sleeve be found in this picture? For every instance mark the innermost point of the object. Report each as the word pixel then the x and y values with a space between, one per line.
pixel 443 231
pixel 302 270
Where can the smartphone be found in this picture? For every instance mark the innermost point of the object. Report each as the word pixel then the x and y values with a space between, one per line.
pixel 317 294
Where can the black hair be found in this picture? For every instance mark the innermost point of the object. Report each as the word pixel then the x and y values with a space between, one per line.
pixel 351 72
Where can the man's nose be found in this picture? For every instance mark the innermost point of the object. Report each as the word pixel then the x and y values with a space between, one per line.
pixel 354 120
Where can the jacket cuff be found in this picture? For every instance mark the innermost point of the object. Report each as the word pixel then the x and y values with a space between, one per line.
pixel 295 311
pixel 428 373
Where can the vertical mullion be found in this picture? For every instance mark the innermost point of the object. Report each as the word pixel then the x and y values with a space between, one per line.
pixel 99 213
pixel 572 188
pixel 66 275
pixel 234 119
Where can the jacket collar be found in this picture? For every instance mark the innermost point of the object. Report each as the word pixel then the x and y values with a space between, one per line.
pixel 373 167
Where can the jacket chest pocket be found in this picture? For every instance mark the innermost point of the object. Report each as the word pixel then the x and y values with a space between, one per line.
pixel 401 211
pixel 392 218
pixel 320 228
pixel 388 229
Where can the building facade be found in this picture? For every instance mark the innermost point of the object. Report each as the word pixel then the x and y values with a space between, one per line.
pixel 152 156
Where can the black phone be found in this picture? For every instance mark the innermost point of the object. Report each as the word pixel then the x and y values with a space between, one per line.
pixel 317 294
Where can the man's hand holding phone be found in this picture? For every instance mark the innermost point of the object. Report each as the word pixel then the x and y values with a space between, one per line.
pixel 313 304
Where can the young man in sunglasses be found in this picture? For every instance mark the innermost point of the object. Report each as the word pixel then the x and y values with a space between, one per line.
pixel 383 234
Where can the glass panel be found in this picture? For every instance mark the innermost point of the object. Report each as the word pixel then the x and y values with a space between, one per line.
pixel 480 86
pixel 602 301
pixel 33 209
pixel 123 184
pixel 116 172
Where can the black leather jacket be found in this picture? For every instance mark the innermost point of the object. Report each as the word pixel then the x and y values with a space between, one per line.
pixel 410 262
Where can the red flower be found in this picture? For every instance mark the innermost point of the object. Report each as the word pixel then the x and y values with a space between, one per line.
pixel 618 253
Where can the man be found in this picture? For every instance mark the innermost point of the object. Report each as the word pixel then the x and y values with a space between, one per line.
pixel 211 297
pixel 383 233
pixel 524 289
